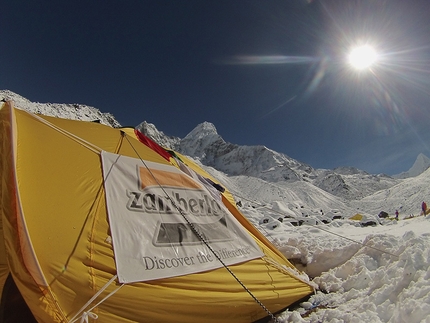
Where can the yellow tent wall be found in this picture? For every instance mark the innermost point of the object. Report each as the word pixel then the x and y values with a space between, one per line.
pixel 57 239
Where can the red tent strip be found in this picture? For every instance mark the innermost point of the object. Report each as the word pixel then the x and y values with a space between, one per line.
pixel 152 144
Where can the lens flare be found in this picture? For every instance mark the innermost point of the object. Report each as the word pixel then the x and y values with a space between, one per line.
pixel 267 59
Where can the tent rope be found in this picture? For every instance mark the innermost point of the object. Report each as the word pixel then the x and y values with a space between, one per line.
pixel 74 137
pixel 88 313
pixel 197 233
pixel 322 229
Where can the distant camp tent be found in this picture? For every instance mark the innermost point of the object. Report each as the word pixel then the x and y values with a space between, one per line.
pixel 365 220
pixel 356 217
pixel 97 226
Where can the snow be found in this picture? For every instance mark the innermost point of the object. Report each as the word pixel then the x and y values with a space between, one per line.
pixel 377 273
pixel 363 274
pixel 60 110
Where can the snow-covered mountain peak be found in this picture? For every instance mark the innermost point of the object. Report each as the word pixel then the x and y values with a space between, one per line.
pixel 202 130
pixel 199 139
pixel 158 136
pixel 7 95
pixel 67 111
pixel 421 164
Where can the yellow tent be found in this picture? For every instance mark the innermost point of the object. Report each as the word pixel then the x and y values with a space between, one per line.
pixel 356 217
pixel 76 244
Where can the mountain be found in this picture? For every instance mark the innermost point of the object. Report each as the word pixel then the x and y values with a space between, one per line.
pixel 257 175
pixel 67 111
pixel 159 137
pixel 206 145
pixel 422 163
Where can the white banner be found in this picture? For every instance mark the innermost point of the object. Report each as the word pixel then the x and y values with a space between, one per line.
pixel 159 217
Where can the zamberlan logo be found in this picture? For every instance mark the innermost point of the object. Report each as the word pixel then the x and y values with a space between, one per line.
pixel 164 192
pixel 154 200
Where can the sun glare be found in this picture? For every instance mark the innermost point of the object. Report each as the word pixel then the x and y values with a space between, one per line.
pixel 362 57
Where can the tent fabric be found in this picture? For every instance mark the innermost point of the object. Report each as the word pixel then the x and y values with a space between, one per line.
pixel 152 144
pixel 356 217
pixel 56 240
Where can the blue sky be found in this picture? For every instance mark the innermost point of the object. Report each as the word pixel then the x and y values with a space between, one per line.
pixel 270 73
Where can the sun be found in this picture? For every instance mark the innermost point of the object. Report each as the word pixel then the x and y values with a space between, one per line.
pixel 362 57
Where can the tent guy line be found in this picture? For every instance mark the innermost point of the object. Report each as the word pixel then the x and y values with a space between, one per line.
pixel 85 143
pixel 88 312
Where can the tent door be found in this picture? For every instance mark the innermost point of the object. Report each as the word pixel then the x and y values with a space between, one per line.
pixel 13 308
